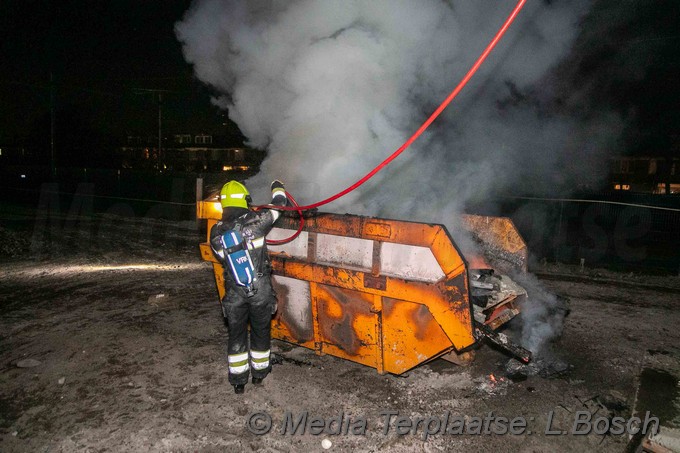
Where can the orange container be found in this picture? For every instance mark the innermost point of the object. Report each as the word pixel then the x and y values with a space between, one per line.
pixel 388 294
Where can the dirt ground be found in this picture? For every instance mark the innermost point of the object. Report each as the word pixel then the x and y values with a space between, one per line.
pixel 121 321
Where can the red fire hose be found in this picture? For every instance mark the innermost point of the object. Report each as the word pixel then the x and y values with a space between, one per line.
pixel 413 137
pixel 300 225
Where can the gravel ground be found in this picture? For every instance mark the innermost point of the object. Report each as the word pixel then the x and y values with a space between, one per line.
pixel 111 339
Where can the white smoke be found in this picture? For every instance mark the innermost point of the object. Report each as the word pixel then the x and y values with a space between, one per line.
pixel 542 315
pixel 331 88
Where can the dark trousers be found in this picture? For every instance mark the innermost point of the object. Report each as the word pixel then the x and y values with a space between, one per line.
pixel 256 311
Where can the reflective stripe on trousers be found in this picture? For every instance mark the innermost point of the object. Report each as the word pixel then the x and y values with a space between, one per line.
pixel 260 359
pixel 238 363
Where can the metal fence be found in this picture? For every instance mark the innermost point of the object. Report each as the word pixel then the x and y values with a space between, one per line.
pixel 636 233
pixel 629 232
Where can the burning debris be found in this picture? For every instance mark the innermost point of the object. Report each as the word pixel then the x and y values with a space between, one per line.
pixel 496 300
pixel 545 367
pixel 495 297
pixel 493 384
pixel 540 321
pixel 501 289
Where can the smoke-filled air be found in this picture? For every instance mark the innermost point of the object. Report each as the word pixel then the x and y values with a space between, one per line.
pixel 331 88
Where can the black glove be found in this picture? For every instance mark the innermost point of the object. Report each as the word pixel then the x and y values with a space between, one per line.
pixel 276 184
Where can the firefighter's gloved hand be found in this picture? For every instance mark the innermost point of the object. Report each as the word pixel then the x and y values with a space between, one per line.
pixel 276 184
pixel 279 196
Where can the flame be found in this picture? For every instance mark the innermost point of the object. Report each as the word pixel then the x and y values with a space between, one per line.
pixel 493 378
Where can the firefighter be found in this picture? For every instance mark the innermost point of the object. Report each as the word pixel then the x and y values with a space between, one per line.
pixel 250 297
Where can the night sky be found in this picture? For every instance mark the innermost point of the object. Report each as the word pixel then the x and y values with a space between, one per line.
pixel 100 53
pixel 627 57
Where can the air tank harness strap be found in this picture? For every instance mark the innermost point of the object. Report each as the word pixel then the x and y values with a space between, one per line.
pixel 246 244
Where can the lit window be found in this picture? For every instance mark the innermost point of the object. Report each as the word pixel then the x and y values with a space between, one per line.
pixel 182 138
pixel 203 139
pixel 661 188
pixel 237 167
pixel 617 187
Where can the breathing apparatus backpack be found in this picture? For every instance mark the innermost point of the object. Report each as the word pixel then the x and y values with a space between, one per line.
pixel 237 254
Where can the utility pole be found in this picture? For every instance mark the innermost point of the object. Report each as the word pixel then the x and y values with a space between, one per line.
pixel 160 122
pixel 155 91
pixel 53 168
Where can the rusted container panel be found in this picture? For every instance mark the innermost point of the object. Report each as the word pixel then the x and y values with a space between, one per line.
pixel 347 321
pixel 295 322
pixel 411 335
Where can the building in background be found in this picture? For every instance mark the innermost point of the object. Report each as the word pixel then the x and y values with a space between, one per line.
pixel 645 174
pixel 188 152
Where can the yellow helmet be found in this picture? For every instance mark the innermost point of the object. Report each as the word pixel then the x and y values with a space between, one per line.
pixel 234 194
